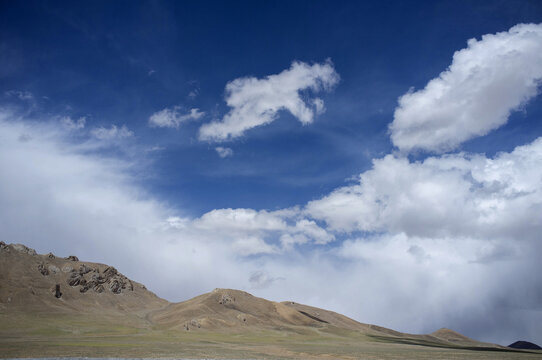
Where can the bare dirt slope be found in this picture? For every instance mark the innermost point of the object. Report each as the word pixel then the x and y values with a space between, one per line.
pixel 54 306
pixel 29 283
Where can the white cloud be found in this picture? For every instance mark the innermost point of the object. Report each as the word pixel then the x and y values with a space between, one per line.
pixel 172 117
pixel 485 82
pixel 454 195
pixel 112 133
pixel 255 102
pixel 72 124
pixel 224 152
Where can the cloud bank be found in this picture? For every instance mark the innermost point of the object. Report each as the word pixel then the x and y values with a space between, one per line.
pixel 256 102
pixel 441 242
pixel 485 82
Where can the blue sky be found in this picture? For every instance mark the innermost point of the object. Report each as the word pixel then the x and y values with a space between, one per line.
pixel 136 121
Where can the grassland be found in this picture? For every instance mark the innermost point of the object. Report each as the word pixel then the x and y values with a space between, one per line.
pixel 46 335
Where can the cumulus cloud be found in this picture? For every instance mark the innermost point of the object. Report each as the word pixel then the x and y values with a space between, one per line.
pixel 173 118
pixel 112 133
pixel 224 152
pixel 455 195
pixel 486 81
pixel 255 232
pixel 256 102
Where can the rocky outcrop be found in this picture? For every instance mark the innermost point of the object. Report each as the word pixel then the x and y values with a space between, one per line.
pixel 43 270
pixel 89 278
pixel 72 258
pixel 23 249
pixel 84 269
pixel 226 299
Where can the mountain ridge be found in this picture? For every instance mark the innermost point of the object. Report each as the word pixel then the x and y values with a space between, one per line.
pixel 61 294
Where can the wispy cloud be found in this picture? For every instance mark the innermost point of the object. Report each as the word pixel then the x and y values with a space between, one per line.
pixel 173 118
pixel 256 102
pixel 72 124
pixel 485 82
pixel 21 95
pixel 224 152
pixel 112 133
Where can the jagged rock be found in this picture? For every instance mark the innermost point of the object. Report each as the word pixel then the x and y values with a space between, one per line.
pixel 109 272
pixel 99 288
pixel 72 258
pixel 84 269
pixel 87 285
pixel 115 286
pixel 53 269
pixel 3 245
pixel 43 270
pixel 99 279
pixel 56 291
pixel 67 268
pixel 75 279
pixel 226 299
pixel 51 256
pixel 24 249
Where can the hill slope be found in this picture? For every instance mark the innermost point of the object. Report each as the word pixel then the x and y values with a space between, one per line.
pixel 53 306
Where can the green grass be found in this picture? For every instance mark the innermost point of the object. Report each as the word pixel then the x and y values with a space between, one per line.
pixel 47 335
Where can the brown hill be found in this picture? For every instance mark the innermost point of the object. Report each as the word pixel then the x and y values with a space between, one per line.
pixel 30 282
pixel 65 298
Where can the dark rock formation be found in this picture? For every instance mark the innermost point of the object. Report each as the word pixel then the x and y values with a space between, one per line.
pixel 24 249
pixel 72 258
pixel 84 269
pixel 58 294
pixel 75 279
pixel 524 345
pixel 43 270
pixel 226 299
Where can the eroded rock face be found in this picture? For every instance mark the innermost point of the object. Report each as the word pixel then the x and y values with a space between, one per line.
pixel 72 258
pixel 75 279
pixel 3 245
pixel 53 269
pixel 88 278
pixel 195 323
pixel 43 270
pixel 56 291
pixel 24 249
pixel 226 299
pixel 84 269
